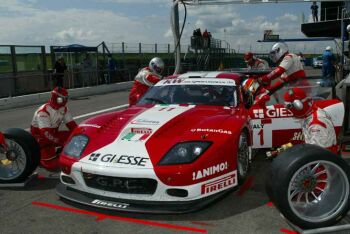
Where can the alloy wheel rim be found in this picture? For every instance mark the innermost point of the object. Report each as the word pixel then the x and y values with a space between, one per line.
pixel 12 163
pixel 318 191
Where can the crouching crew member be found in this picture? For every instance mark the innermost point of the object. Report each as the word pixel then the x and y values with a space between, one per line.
pixel 317 125
pixel 45 127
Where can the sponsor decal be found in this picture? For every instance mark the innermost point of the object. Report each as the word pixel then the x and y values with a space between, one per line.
pixel 278 112
pixel 94 157
pixel 219 184
pixel 166 109
pixel 90 125
pixel 209 171
pixel 298 136
pixel 222 131
pixel 257 126
pixel 145 122
pixel 110 204
pixel 141 130
pixel 172 81
pixel 196 81
pixel 271 112
pixel 135 137
pixel 258 113
pixel 117 183
pixel 122 159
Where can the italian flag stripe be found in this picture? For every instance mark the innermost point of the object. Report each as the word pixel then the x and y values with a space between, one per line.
pixel 136 137
pixel 144 137
pixel 129 136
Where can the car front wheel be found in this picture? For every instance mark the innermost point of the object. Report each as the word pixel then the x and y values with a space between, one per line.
pixel 243 157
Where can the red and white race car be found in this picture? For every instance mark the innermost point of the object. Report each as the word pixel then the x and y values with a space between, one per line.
pixel 187 141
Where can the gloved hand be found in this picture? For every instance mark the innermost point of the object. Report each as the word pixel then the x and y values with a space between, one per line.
pixel 262 99
pixel 264 80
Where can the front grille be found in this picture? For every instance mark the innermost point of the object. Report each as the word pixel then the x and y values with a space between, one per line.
pixel 120 184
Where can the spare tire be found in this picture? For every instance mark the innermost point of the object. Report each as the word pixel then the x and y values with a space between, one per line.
pixel 310 186
pixel 22 156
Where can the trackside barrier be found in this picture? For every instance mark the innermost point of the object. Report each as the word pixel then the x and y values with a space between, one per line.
pixel 33 99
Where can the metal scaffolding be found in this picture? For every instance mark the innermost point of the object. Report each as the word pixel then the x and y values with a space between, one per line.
pixel 223 2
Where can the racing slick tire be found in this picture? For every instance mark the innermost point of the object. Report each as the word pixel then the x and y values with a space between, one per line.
pixel 310 186
pixel 243 157
pixel 21 158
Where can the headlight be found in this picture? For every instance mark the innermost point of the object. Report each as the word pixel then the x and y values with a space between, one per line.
pixel 185 152
pixel 76 146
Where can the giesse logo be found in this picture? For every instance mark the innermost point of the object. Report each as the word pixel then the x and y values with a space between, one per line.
pixel 122 159
pixel 94 157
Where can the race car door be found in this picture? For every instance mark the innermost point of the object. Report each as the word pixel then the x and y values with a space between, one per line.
pixel 273 126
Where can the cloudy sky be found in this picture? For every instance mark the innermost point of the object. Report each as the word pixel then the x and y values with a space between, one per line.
pixel 88 22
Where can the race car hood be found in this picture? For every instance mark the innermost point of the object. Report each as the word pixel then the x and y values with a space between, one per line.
pixel 123 139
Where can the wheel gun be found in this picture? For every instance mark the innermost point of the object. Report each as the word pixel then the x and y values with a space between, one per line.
pixel 274 153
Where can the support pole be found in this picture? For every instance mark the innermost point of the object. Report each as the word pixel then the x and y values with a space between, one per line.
pixel 176 35
pixel 342 44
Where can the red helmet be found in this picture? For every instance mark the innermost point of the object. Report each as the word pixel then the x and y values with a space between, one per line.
pixel 59 97
pixel 249 58
pixel 298 103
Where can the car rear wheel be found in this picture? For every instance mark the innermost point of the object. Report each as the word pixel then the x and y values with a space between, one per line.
pixel 21 157
pixel 243 157
pixel 310 186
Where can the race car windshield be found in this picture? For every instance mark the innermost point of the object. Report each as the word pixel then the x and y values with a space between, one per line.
pixel 215 95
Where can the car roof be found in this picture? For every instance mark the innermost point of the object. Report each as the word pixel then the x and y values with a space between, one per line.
pixel 236 77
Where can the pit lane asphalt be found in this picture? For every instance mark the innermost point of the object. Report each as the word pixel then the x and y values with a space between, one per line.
pixel 37 209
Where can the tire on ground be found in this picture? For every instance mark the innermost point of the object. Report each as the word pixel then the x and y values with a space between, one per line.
pixel 31 150
pixel 287 164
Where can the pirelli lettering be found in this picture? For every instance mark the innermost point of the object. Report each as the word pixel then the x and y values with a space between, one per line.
pixel 109 204
pixel 214 186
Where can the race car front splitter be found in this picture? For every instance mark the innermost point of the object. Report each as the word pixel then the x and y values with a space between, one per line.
pixel 138 206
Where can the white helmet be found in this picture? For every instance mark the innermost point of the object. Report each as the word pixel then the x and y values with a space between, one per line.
pixel 156 65
pixel 278 51
pixel 250 86
pixel 329 48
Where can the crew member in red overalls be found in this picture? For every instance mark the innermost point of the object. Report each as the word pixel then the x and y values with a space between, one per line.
pixel 254 63
pixel 290 70
pixel 146 78
pixel 317 125
pixel 45 127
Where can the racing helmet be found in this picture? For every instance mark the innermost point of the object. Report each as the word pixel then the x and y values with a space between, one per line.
pixel 278 51
pixel 250 86
pixel 59 97
pixel 249 58
pixel 156 65
pixel 298 103
pixel 328 48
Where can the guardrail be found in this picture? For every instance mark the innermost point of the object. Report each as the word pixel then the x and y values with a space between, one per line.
pixel 22 84
pixel 38 98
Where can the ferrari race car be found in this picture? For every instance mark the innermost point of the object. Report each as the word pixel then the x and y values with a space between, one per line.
pixel 185 142
pixel 188 141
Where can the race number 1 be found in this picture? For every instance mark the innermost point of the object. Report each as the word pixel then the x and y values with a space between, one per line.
pixel 261 134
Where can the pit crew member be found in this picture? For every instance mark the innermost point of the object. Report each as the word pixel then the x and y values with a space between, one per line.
pixel 290 70
pixel 254 63
pixel 146 78
pixel 317 125
pixel 45 127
